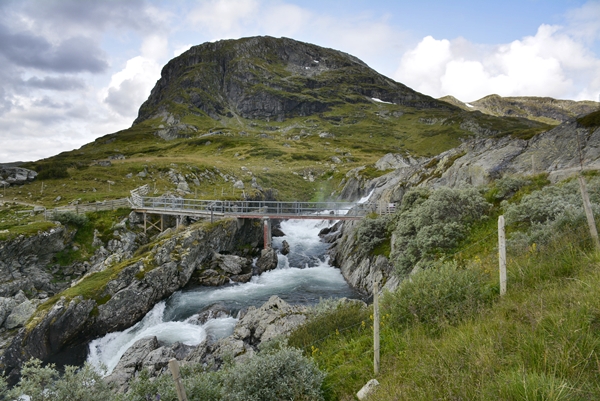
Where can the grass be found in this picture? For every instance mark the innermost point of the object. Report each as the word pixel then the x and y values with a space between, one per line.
pixel 539 342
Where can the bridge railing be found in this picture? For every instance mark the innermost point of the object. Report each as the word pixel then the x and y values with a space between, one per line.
pixel 252 208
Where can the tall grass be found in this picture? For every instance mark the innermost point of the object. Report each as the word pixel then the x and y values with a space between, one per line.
pixel 539 342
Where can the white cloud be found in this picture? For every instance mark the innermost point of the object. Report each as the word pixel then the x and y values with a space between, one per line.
pixel 550 63
pixel 130 87
pixel 225 18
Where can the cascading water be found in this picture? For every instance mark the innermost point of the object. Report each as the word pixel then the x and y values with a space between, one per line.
pixel 302 277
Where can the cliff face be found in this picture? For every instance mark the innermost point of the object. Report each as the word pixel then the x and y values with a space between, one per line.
pixel 269 78
pixel 476 162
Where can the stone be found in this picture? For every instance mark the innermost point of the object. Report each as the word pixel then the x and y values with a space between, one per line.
pixel 239 184
pixel 104 163
pixel 20 315
pixel 231 264
pixel 15 175
pixel 367 389
pixel 336 159
pixel 130 362
pixel 6 307
pixel 274 318
pixel 285 248
pixel 267 261
pixel 277 232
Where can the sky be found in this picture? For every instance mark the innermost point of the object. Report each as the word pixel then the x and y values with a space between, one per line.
pixel 75 70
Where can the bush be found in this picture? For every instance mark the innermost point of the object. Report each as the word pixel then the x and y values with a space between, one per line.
pixel 430 224
pixel 551 210
pixel 438 297
pixel 44 383
pixel 371 233
pixel 282 375
pixel 70 218
pixel 51 171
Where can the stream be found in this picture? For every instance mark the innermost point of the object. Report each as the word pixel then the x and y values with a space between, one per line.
pixel 304 276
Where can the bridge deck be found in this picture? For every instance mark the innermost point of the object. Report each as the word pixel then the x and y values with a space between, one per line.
pixel 252 209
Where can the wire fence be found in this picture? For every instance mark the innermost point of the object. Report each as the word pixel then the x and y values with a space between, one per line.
pixel 579 242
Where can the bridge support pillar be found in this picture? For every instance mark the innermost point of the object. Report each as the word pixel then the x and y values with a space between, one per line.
pixel 267 232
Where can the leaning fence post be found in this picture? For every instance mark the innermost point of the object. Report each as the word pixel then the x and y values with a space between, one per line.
pixel 587 206
pixel 502 254
pixel 376 327
pixel 174 368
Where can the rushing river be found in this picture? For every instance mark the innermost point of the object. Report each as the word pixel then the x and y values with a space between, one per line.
pixel 302 277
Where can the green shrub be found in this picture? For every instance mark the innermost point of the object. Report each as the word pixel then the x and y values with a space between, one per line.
pixel 506 187
pixel 282 375
pixel 439 297
pixel 44 383
pixel 70 218
pixel 371 233
pixel 431 224
pixel 51 171
pixel 554 209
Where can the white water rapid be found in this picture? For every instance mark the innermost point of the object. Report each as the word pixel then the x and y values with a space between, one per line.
pixel 302 277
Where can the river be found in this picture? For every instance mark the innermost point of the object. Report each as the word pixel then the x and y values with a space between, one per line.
pixel 304 276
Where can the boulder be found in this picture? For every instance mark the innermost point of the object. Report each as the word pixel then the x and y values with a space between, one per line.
pixel 274 318
pixel 231 264
pixel 285 247
pixel 267 261
pixel 20 315
pixel 130 362
pixel 6 307
pixel 16 175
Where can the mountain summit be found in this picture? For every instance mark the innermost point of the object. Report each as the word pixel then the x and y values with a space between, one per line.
pixel 270 78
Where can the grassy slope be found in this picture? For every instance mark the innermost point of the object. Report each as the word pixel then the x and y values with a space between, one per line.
pixel 279 154
pixel 539 342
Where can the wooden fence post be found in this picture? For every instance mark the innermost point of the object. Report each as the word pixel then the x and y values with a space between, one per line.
pixel 587 206
pixel 376 327
pixel 174 368
pixel 502 254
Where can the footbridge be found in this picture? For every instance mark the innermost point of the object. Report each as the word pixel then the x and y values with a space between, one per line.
pixel 243 209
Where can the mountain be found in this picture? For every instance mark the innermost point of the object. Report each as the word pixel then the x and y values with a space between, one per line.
pixel 543 109
pixel 269 78
pixel 264 114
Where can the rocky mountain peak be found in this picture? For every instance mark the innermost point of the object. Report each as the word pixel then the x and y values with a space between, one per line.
pixel 269 78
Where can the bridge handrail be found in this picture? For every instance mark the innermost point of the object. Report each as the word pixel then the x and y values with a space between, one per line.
pixel 255 207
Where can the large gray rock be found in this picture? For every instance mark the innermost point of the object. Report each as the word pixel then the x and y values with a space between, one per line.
pixel 267 261
pixel 19 315
pixel 130 363
pixel 6 307
pixel 16 175
pixel 274 318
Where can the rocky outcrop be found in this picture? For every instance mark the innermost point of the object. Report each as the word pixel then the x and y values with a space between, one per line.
pixel 119 296
pixel 15 175
pixel 476 162
pixel 24 262
pixel 359 271
pixel 275 318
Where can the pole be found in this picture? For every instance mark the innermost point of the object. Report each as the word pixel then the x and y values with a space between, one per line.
pixel 587 206
pixel 174 368
pixel 502 254
pixel 376 327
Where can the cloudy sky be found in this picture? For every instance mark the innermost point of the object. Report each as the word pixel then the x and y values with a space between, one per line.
pixel 74 70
